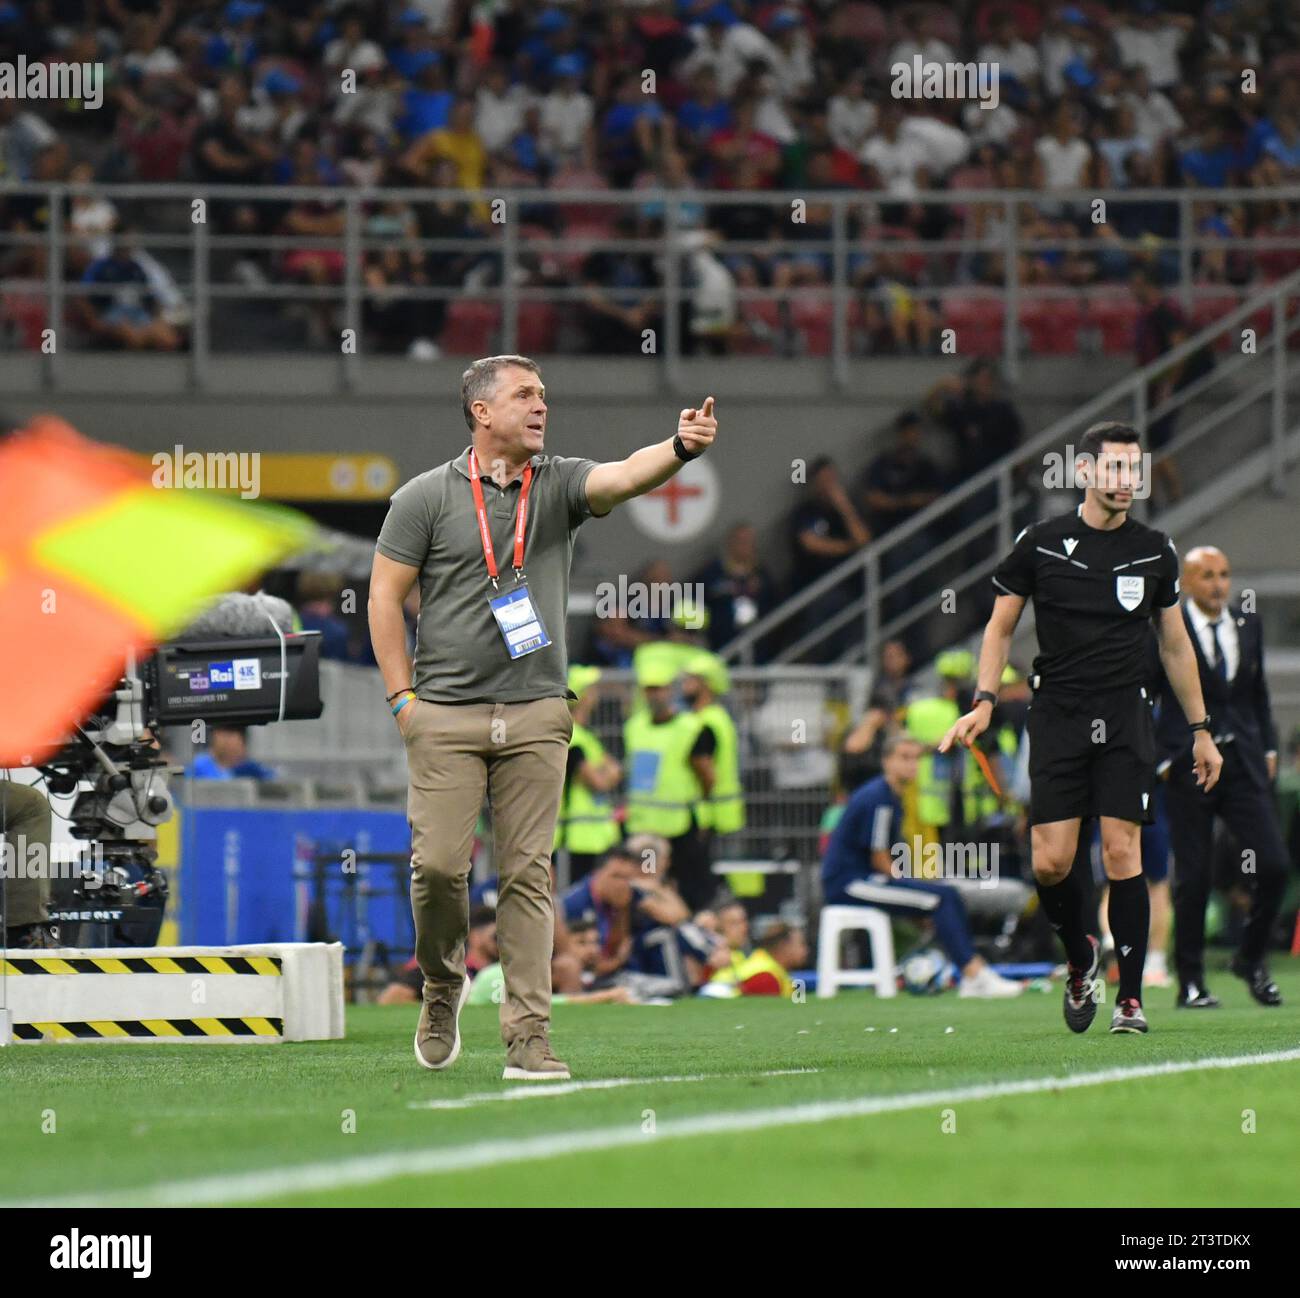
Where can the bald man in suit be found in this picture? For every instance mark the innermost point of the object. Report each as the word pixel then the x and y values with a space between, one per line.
pixel 1230 658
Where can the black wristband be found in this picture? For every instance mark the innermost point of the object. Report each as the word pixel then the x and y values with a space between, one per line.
pixel 1201 725
pixel 680 451
pixel 985 696
pixel 388 698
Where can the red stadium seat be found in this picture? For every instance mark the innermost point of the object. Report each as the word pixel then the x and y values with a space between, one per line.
pixel 762 336
pixel 26 314
pixel 857 21
pixel 602 215
pixel 977 322
pixel 470 328
pixel 1028 17
pixel 813 322
pixel 1114 314
pixel 1051 325
pixel 539 326
pixel 947 26
pixel 1207 310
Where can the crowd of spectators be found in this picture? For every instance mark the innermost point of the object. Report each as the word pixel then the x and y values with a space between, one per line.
pixel 747 96
pixel 623 935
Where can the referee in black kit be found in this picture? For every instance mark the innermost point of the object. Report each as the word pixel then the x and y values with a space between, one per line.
pixel 1230 657
pixel 1097 577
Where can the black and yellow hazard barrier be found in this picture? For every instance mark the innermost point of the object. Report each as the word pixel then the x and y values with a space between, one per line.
pixel 95 1029
pixel 266 992
pixel 266 966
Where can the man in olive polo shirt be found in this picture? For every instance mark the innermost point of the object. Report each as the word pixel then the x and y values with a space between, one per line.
pixel 489 537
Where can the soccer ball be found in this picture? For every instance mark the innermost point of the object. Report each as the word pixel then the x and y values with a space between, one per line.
pixel 926 972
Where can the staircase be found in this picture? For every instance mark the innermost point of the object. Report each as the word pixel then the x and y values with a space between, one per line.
pixel 1238 438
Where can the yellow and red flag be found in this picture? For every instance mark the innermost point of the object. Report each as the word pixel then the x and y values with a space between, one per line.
pixel 97 562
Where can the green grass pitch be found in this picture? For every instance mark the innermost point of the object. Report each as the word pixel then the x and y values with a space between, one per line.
pixel 341 1123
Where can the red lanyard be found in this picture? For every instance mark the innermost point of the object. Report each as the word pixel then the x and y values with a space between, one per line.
pixel 521 519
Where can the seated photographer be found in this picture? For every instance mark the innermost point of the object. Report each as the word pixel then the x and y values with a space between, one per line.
pixel 227 757
pixel 25 820
pixel 646 937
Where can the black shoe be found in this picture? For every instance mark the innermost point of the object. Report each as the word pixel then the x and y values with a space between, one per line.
pixel 1128 1017
pixel 33 937
pixel 1256 977
pixel 1196 996
pixel 1081 992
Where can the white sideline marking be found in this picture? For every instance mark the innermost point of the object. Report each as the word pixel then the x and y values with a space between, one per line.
pixel 539 1090
pixel 370 1168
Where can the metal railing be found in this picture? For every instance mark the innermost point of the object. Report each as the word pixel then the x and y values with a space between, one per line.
pixel 509 248
pixel 787 720
pixel 1264 374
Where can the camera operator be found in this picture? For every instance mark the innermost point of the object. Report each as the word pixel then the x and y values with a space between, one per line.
pixel 25 820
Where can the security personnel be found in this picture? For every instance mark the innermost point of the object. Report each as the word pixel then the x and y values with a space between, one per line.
pixel 951 791
pixel 587 826
pixel 1230 659
pixel 716 753
pixel 663 786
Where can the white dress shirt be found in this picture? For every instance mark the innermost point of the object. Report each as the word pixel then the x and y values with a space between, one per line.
pixel 1227 627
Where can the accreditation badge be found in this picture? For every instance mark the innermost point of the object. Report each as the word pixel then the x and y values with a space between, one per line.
pixel 518 621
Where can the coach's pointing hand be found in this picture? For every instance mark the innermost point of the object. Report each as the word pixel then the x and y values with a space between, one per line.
pixel 698 428
pixel 968 728
pixel 1207 759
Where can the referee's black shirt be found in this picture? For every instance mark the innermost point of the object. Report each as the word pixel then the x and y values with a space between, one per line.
pixel 1094 595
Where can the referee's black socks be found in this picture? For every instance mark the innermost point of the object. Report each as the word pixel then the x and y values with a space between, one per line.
pixel 1063 905
pixel 1129 908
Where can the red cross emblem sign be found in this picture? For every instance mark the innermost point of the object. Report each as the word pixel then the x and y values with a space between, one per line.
pixel 682 507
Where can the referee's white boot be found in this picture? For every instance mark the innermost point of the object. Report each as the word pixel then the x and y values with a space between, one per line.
pixel 989 985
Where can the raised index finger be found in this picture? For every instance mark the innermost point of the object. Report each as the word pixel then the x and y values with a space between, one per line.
pixel 708 407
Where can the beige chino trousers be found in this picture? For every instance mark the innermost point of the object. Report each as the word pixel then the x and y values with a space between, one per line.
pixel 515 753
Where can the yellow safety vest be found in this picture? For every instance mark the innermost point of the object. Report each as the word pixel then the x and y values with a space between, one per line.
pixel 929 720
pixel 661 786
pixel 761 962
pixel 586 822
pixel 732 972
pixel 723 811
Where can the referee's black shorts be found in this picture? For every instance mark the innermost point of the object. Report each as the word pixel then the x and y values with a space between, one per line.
pixel 1092 755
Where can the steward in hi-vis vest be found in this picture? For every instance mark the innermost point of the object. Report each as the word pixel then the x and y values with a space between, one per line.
pixel 716 757
pixel 587 826
pixel 663 786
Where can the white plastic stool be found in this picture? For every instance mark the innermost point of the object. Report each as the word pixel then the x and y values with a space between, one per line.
pixel 835 922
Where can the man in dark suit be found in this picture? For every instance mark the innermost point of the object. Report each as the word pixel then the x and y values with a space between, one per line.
pixel 1230 657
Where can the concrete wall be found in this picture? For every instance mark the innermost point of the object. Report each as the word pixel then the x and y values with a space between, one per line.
pixel 771 412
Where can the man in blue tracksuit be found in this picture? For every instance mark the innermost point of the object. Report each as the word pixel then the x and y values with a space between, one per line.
pixel 863 867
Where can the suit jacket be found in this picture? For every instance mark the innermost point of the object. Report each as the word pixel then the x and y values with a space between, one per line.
pixel 1239 707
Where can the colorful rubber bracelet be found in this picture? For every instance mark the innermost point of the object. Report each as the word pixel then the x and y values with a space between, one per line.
pixel 403 702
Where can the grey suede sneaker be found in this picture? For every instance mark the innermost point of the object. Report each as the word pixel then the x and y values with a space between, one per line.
pixel 437 1036
pixel 529 1059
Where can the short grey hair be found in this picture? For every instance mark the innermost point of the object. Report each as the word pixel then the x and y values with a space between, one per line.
pixel 479 382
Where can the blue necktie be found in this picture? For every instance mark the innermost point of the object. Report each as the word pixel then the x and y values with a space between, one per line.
pixel 1220 663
